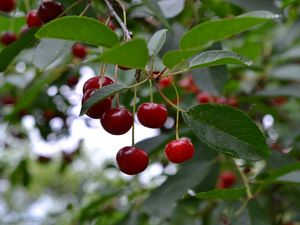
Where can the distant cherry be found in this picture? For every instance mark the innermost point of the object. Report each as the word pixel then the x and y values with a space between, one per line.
pixel 204 97
pixel 7 5
pixel 8 38
pixel 132 160
pixel 49 10
pixel 226 179
pixel 79 51
pixel 221 100
pixel 94 83
pixel 180 150
pixel 117 121
pixel 97 110
pixel 72 80
pixel 8 100
pixel 164 82
pixel 152 115
pixel 33 19
pixel 233 102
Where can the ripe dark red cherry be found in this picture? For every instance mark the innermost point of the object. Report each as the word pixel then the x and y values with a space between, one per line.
pixel 152 115
pixel 33 19
pixel 204 97
pixel 117 121
pixel 132 160
pixel 8 38
pixel 180 150
pixel 97 110
pixel 226 179
pixel 79 51
pixel 8 100
pixel 94 83
pixel 49 10
pixel 7 5
pixel 72 80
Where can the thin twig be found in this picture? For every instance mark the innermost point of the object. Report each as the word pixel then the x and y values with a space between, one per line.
pixel 119 20
pixel 245 181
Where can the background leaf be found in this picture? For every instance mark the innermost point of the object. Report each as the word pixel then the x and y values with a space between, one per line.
pixel 81 29
pixel 55 48
pixel 257 214
pixel 226 194
pixel 10 52
pixel 156 42
pixel 227 130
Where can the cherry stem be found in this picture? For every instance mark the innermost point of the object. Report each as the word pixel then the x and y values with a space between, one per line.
pixel 137 84
pixel 177 111
pixel 175 73
pixel 150 90
pixel 116 81
pixel 168 100
pixel 133 113
pixel 119 20
pixel 86 8
pixel 245 181
pixel 70 7
pixel 124 11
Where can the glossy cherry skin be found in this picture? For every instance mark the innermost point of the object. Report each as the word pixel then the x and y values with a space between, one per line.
pixel 226 179
pixel 132 160
pixel 152 115
pixel 117 121
pixel 97 110
pixel 8 38
pixel 7 5
pixel 79 51
pixel 204 97
pixel 49 10
pixel 180 150
pixel 33 19
pixel 94 83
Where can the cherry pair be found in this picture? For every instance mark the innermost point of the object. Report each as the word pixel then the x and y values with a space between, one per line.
pixel 132 160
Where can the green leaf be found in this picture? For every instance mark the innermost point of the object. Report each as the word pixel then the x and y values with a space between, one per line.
pixel 5 23
pixel 55 49
pixel 292 90
pixel 257 214
pixel 286 72
pixel 82 29
pixel 226 194
pixel 289 173
pixel 157 41
pixel 218 57
pixel 9 53
pixel 163 197
pixel 132 54
pixel 175 57
pixel 217 30
pixel 102 94
pixel 153 6
pixel 227 130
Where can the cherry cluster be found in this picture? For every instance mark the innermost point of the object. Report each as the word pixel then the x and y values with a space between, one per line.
pixel 47 11
pixel 117 121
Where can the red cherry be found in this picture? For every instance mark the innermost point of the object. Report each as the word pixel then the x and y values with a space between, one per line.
pixel 8 38
pixel 164 82
pixel 117 121
pixel 79 51
pixel 49 114
pixel 204 97
pixel 181 150
pixel 221 100
pixel 33 19
pixel 132 160
pixel 7 5
pixel 94 83
pixel 72 81
pixel 112 25
pixel 152 115
pixel 233 102
pixel 49 10
pixel 97 110
pixel 8 100
pixel 278 101
pixel 226 179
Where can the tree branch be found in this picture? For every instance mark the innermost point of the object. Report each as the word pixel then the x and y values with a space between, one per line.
pixel 119 20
